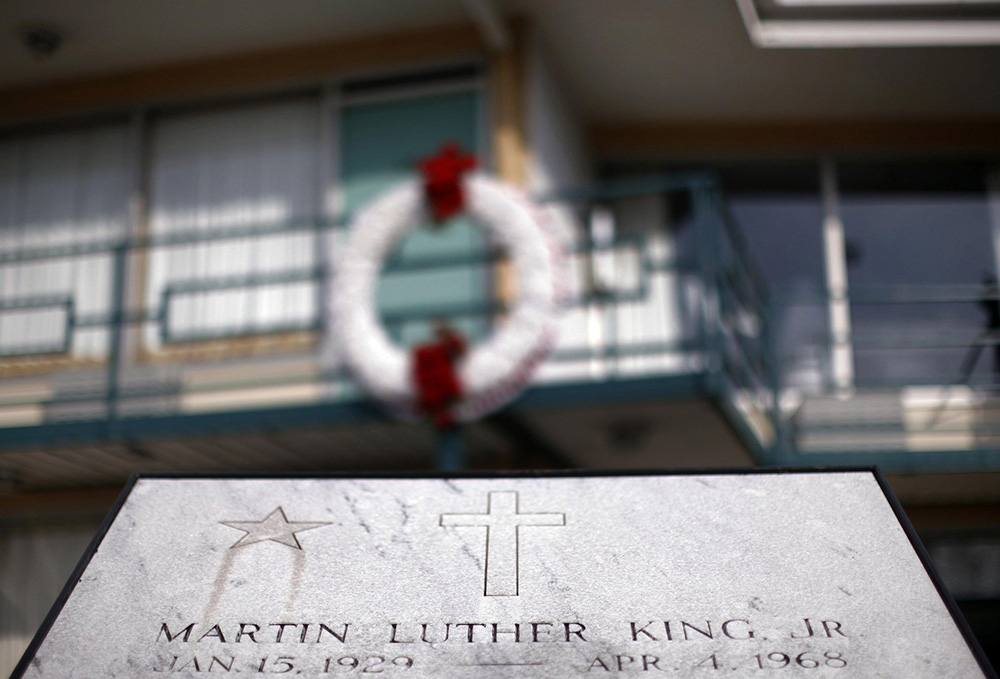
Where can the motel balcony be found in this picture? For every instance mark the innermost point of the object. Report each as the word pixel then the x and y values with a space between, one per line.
pixel 207 348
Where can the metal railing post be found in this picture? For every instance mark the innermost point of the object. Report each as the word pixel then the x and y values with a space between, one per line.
pixel 450 454
pixel 707 247
pixel 118 328
pixel 780 450
pixel 118 325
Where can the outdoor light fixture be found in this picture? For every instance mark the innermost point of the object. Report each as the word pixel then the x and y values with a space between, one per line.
pixel 871 23
pixel 42 40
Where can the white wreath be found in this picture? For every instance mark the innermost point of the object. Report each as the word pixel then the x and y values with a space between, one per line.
pixel 491 373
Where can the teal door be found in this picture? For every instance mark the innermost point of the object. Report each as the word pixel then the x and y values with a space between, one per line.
pixel 382 143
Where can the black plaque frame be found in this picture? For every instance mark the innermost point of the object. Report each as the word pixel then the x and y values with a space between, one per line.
pixel 897 508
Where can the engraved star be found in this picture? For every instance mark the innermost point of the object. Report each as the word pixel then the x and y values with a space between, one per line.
pixel 275 527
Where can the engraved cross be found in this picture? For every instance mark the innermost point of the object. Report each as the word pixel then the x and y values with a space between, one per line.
pixel 503 523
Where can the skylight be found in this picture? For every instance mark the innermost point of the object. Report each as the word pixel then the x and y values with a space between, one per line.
pixel 871 23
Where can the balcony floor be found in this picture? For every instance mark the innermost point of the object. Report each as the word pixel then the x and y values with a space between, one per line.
pixel 666 421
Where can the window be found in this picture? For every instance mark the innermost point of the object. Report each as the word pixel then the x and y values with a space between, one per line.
pixel 912 227
pixel 236 197
pixel 66 190
pixel 244 168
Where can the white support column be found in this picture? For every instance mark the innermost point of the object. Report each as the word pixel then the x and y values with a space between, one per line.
pixel 839 308
pixel 330 198
pixel 602 279
pixel 137 228
pixel 993 196
pixel 128 269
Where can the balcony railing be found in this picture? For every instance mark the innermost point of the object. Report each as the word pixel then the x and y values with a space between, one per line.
pixel 939 407
pixel 698 323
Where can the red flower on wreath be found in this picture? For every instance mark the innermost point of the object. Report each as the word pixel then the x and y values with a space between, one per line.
pixel 436 377
pixel 442 181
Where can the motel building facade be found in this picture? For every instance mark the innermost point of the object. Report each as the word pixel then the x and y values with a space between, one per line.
pixel 781 219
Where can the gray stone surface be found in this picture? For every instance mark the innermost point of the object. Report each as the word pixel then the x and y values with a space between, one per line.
pixel 683 576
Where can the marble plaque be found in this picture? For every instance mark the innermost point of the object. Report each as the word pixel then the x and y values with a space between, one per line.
pixel 731 574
